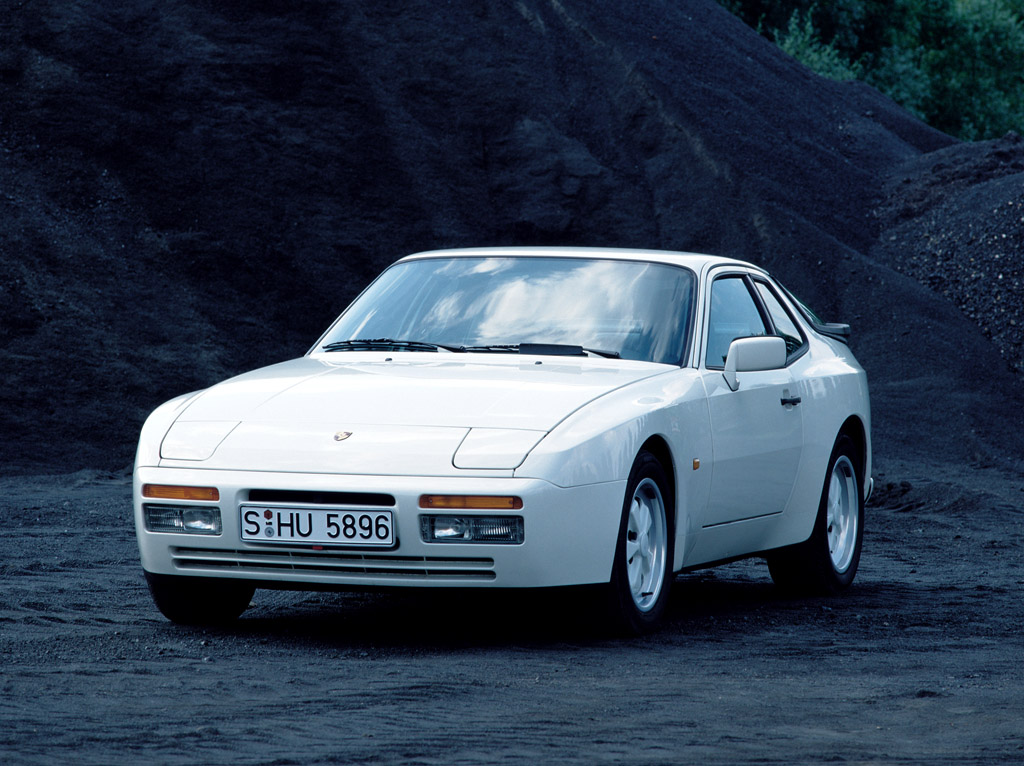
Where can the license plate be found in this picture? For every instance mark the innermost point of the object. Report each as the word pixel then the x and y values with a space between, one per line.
pixel 317 525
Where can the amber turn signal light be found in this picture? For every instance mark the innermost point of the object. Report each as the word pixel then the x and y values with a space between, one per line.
pixel 168 492
pixel 482 502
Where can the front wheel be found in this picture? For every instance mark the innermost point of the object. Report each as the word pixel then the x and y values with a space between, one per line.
pixel 825 564
pixel 199 600
pixel 642 570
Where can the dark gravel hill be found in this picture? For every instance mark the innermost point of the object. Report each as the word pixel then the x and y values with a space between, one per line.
pixel 954 220
pixel 189 189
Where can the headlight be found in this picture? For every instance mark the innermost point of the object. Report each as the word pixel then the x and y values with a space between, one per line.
pixel 472 529
pixel 189 519
pixel 495 448
pixel 195 440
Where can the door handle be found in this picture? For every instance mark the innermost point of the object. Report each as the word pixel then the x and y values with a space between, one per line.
pixel 790 400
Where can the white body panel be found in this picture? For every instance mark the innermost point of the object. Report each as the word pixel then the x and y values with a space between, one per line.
pixel 416 389
pixel 832 389
pixel 559 432
pixel 757 445
pixel 417 412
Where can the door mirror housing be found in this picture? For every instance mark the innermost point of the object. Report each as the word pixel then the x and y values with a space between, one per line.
pixel 761 352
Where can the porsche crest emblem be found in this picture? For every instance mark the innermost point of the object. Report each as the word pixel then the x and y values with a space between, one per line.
pixel 341 436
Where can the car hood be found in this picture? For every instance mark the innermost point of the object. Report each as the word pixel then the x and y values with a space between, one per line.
pixel 396 413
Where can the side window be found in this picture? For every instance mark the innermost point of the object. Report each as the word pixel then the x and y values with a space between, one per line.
pixel 733 315
pixel 784 324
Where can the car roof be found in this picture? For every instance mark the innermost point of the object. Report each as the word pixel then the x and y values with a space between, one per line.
pixel 695 261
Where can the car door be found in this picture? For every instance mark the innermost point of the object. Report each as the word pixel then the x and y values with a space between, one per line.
pixel 756 430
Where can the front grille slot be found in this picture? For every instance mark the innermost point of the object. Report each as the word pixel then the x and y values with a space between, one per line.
pixel 308 497
pixel 348 567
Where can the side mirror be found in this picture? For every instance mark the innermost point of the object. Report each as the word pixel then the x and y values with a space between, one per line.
pixel 761 352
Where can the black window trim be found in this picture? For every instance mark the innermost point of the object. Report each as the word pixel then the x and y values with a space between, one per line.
pixel 749 278
pixel 762 312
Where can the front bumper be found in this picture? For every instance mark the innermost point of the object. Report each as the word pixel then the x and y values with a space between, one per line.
pixel 570 535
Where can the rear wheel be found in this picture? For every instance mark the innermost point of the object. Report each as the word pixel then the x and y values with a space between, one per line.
pixel 826 563
pixel 642 570
pixel 199 600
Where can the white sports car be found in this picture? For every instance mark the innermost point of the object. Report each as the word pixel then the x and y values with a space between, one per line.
pixel 520 418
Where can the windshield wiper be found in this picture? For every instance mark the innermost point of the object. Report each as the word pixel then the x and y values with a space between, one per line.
pixel 542 349
pixel 602 352
pixel 511 348
pixel 387 344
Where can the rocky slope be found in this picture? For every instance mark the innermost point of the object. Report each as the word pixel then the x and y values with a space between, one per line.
pixel 954 220
pixel 191 189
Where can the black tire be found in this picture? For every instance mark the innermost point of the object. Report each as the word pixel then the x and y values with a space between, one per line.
pixel 633 608
pixel 826 563
pixel 199 600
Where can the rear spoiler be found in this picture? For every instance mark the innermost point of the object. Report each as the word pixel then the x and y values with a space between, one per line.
pixel 837 330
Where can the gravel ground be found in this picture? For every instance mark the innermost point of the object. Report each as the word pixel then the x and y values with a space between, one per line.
pixel 918 663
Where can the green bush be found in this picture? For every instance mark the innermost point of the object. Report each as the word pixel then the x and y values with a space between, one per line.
pixel 958 64
pixel 976 67
pixel 801 41
pixel 898 72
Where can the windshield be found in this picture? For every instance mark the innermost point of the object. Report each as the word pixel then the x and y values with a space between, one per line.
pixel 632 309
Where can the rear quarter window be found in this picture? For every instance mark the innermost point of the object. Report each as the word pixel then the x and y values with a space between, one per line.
pixel 785 326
